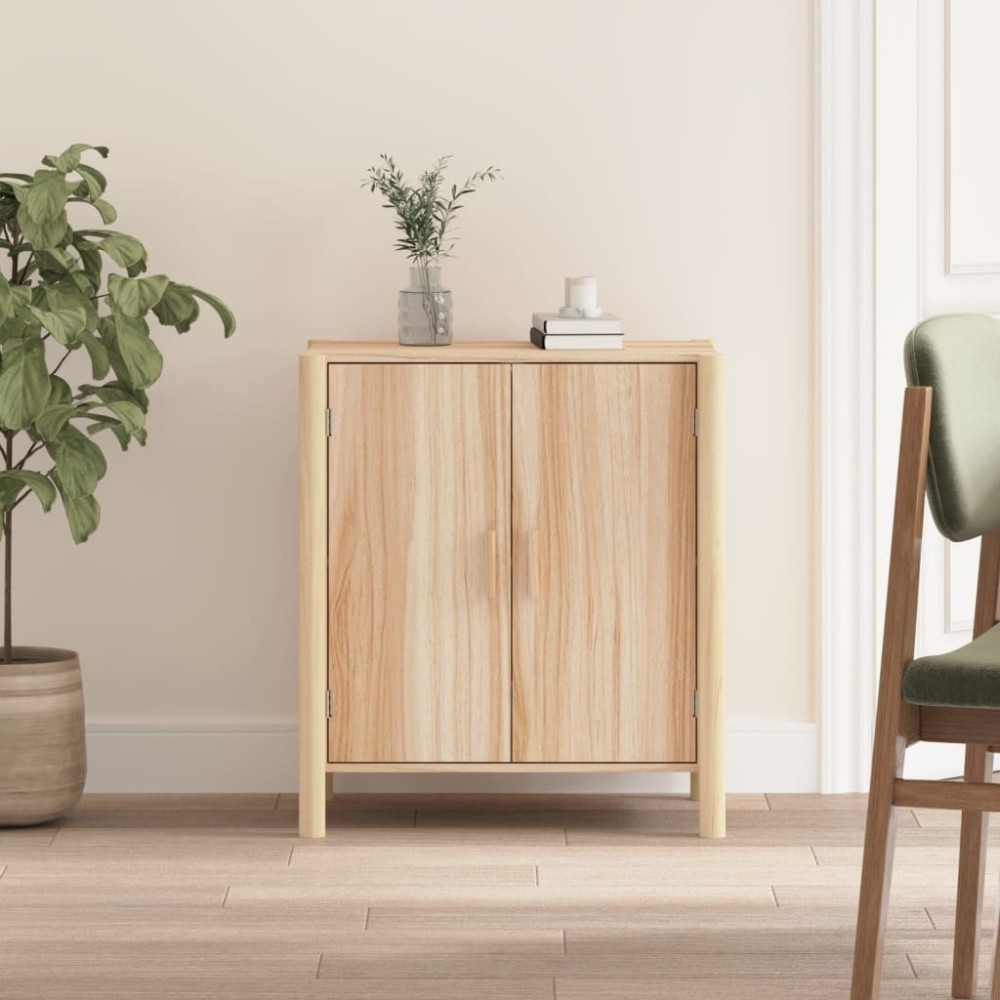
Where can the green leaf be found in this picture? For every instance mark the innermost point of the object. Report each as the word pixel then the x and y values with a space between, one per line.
pixel 117 391
pixel 46 197
pixel 24 382
pixel 93 265
pixel 124 250
pixel 40 485
pixel 83 283
pixel 59 390
pixel 225 314
pixel 130 415
pixel 177 308
pixel 94 181
pixel 141 357
pixel 79 462
pixel 8 496
pixel 122 403
pixel 100 363
pixel 136 296
pixel 49 424
pixel 70 159
pixel 6 299
pixel 42 235
pixel 104 423
pixel 106 210
pixel 18 326
pixel 83 514
pixel 55 263
pixel 65 325
pixel 64 311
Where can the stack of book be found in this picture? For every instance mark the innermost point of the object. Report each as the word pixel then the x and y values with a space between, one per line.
pixel 552 332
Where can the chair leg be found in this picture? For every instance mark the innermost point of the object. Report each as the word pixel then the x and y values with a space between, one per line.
pixel 971 871
pixel 876 875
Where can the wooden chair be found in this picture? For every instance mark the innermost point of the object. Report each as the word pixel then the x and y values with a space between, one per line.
pixel 950 448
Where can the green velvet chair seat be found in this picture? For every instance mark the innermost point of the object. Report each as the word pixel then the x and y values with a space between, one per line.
pixel 968 677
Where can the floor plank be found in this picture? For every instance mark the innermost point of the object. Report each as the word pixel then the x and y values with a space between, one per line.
pixel 451 897
pixel 677 965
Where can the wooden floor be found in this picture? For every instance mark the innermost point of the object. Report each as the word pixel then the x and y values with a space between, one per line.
pixel 458 898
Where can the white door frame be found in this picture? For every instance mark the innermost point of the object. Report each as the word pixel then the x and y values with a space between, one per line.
pixel 845 378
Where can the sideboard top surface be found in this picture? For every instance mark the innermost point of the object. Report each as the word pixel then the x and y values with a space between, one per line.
pixel 516 351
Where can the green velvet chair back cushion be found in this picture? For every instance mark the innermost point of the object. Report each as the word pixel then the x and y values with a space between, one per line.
pixel 959 357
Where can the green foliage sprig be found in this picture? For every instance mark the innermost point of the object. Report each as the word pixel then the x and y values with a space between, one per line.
pixel 424 214
pixel 56 299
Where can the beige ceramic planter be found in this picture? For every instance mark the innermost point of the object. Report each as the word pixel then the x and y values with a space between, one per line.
pixel 43 752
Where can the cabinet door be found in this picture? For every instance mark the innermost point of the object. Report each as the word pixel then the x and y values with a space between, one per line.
pixel 420 562
pixel 604 562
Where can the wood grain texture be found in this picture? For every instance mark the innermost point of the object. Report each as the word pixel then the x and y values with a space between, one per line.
pixel 891 719
pixel 959 725
pixel 711 635
pixel 971 876
pixel 508 768
pixel 508 351
pixel 312 595
pixel 419 491
pixel 975 824
pixel 604 499
pixel 976 796
pixel 43 751
pixel 126 901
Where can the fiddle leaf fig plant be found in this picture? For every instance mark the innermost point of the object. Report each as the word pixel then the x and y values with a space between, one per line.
pixel 62 291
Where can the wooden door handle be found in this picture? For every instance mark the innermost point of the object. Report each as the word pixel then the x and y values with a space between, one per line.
pixel 493 563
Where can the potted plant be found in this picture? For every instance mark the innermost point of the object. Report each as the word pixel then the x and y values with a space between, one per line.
pixel 425 217
pixel 60 294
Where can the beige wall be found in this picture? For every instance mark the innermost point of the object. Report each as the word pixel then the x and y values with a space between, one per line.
pixel 663 145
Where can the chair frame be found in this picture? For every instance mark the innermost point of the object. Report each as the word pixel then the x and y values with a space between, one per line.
pixel 899 724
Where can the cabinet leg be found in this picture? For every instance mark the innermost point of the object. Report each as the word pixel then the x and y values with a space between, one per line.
pixel 711 801
pixel 695 788
pixel 312 803
pixel 329 787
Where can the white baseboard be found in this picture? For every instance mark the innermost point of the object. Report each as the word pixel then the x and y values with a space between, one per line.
pixel 192 757
pixel 261 757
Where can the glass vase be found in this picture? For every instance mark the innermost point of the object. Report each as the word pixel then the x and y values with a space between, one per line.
pixel 425 309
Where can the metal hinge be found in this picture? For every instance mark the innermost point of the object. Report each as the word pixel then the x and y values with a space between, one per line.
pixel 694 703
pixel 694 422
pixel 329 703
pixel 329 423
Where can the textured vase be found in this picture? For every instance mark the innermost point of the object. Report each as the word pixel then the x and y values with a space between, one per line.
pixel 425 310
pixel 43 750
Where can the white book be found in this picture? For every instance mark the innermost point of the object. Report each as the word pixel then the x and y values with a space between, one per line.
pixel 554 323
pixel 584 342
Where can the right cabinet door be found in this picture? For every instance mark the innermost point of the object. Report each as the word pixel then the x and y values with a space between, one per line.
pixel 603 603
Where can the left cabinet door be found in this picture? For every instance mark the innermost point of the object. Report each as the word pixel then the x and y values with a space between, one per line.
pixel 419 563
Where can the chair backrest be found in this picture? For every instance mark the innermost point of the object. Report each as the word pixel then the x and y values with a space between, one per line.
pixel 959 358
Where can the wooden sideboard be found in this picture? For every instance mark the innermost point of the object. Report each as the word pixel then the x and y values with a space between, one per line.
pixel 511 560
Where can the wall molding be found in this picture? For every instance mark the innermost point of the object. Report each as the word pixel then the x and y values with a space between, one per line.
pixel 845 376
pixel 950 267
pixel 263 757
